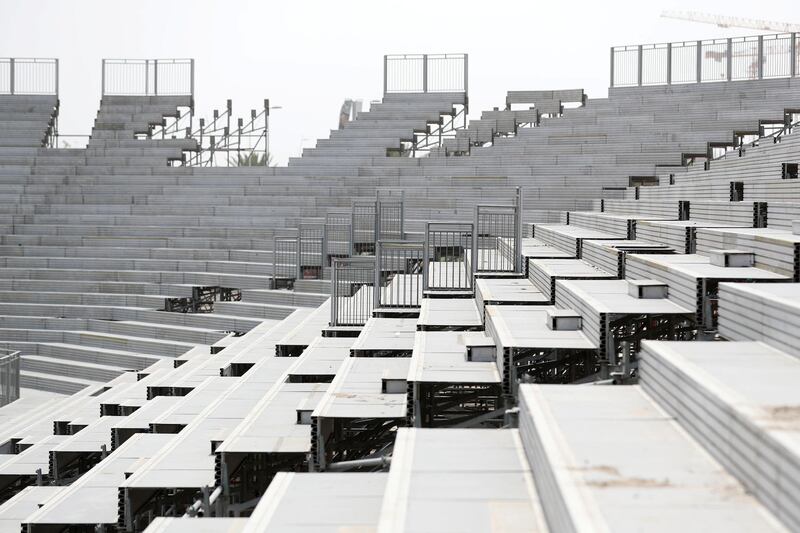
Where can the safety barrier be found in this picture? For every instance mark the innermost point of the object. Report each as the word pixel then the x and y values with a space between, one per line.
pixel 738 58
pixel 337 235
pixel 284 261
pixel 9 376
pixel 147 77
pixel 391 216
pixel 448 257
pixel 362 227
pixel 28 76
pixel 310 246
pixel 398 273
pixel 425 73
pixel 497 240
pixel 352 284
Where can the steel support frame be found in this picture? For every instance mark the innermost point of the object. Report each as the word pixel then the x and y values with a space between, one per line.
pixel 347 439
pixel 244 477
pixel 630 330
pixel 453 404
pixel 546 365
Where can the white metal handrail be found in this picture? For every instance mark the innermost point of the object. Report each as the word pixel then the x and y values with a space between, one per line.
pixel 147 77
pixel 425 73
pixel 28 76
pixel 737 58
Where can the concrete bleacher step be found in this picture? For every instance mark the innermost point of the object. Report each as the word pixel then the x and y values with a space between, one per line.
pixel 52 383
pixel 87 354
pixel 71 369
pixel 741 402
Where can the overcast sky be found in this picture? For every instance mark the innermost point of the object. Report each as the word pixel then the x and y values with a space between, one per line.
pixel 307 56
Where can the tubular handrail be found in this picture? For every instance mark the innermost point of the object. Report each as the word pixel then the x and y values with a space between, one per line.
pixel 752 57
pixel 29 76
pixel 147 77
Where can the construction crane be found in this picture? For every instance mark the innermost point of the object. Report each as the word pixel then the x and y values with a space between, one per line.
pixel 732 22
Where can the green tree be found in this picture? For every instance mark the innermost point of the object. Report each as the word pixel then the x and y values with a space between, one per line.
pixel 253 160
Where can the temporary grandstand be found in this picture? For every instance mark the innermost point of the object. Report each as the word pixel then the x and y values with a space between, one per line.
pixel 569 314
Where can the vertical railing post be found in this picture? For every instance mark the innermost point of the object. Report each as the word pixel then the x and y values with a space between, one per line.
pixel 11 74
pixel 793 56
pixel 669 63
pixel 56 79
pixel 376 289
pixel 760 57
pixel 518 234
pixel 699 73
pixel 146 77
pixel 475 239
pixel 425 73
pixel 297 270
pixel 611 76
pixel 729 60
pixel 639 63
pixel 426 258
pixel 385 73
pixel 191 92
pixel 155 77
pixel 334 290
pixel 103 78
pixel 466 73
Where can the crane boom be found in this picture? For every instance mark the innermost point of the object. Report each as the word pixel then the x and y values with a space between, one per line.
pixel 732 22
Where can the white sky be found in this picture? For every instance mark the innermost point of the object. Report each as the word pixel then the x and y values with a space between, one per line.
pixel 308 55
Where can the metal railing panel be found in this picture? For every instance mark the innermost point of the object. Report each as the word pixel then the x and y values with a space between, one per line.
pixel 425 73
pixel 148 77
pixel 28 76
pixel 497 239
pixel 738 58
pixel 352 284
pixel 9 376
pixel 398 273
pixel 284 258
pixel 310 250
pixel 363 227
pixel 336 239
pixel 448 256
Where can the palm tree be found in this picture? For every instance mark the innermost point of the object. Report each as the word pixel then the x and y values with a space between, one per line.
pixel 253 159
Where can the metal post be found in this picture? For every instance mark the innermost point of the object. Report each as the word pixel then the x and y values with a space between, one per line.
pixel 639 61
pixel 146 76
pixel 385 65
pixel 612 70
pixel 11 74
pixel 56 79
pixel 426 259
pixel 793 56
pixel 760 57
pixel 425 73
pixel 298 269
pixel 729 62
pixel 376 289
pixel 475 230
pixel 669 63
pixel 191 79
pixel 466 75
pixel 518 234
pixel 699 61
pixel 333 291
pixel 155 77
pixel 103 79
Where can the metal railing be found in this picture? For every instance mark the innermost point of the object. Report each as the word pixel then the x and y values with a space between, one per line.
pixel 363 225
pixel 737 58
pixel 398 273
pixel 352 284
pixel 310 246
pixel 284 260
pixel 9 376
pixel 390 217
pixel 28 76
pixel 337 235
pixel 497 240
pixel 147 77
pixel 448 257
pixel 425 73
